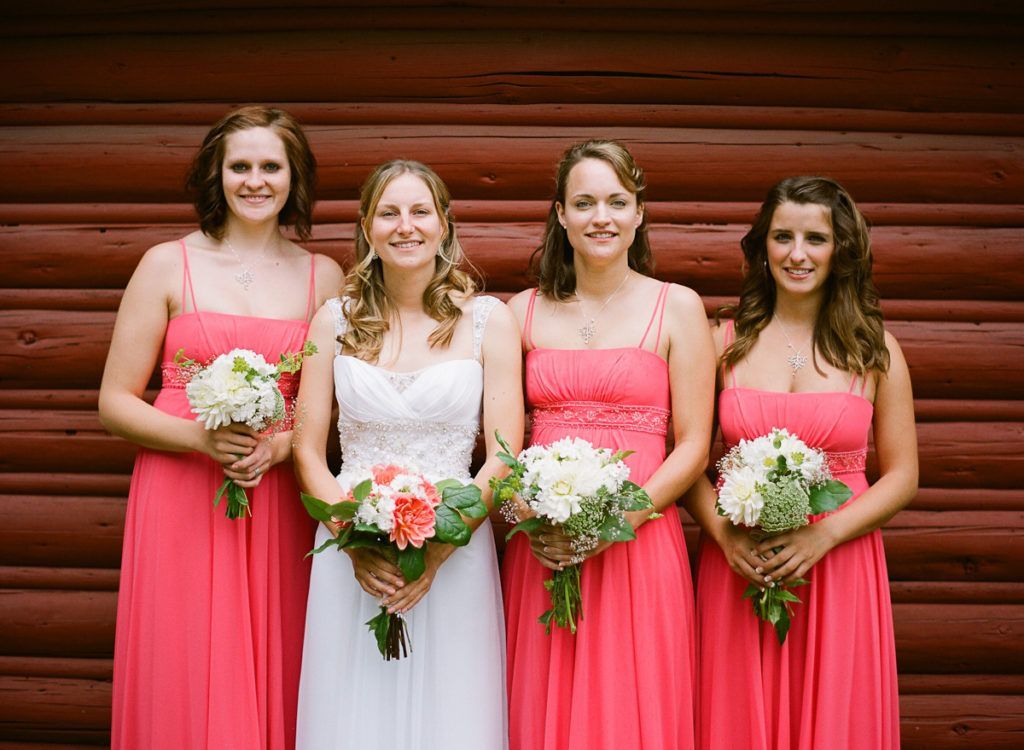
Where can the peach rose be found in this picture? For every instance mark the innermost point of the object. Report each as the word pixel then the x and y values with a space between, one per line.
pixel 414 521
pixel 384 473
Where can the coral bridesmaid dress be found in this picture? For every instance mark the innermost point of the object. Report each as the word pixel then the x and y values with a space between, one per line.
pixel 210 610
pixel 833 684
pixel 625 680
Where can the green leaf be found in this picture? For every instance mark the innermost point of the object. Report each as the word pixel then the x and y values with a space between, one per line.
pixel 829 496
pixel 788 596
pixel 449 526
pixel 220 492
pixel 527 526
pixel 616 529
pixel 622 455
pixel 509 460
pixel 362 542
pixel 502 442
pixel 411 562
pixel 378 625
pixel 344 510
pixel 332 542
pixel 782 628
pixel 361 490
pixel 316 507
pixel 465 498
pixel 751 591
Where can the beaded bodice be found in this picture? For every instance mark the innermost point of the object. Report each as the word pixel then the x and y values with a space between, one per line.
pixel 426 420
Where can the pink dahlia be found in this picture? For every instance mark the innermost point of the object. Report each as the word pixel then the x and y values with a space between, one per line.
pixel 414 521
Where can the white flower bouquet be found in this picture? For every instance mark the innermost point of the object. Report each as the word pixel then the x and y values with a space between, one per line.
pixel 771 484
pixel 581 489
pixel 239 386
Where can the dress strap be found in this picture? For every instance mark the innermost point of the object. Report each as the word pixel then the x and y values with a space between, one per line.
pixel 186 281
pixel 659 314
pixel 528 322
pixel 337 307
pixel 482 307
pixel 863 383
pixel 310 305
pixel 729 334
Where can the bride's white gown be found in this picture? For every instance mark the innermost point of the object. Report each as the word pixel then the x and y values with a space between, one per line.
pixel 449 693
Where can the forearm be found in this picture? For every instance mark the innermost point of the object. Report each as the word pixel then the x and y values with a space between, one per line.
pixel 313 474
pixel 131 418
pixel 880 502
pixel 681 468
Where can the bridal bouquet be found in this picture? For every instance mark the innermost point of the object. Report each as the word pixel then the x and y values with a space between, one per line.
pixel 771 484
pixel 581 489
pixel 396 511
pixel 240 386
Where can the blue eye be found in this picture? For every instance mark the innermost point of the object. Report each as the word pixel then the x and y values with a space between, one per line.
pixel 239 168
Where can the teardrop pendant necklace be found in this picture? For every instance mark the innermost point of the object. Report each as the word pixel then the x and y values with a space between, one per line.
pixel 589 327
pixel 797 358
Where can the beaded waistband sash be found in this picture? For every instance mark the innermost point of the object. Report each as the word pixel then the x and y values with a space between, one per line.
pixel 653 419
pixel 175 376
pixel 847 462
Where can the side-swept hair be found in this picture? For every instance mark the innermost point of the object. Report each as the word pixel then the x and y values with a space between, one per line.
pixel 369 309
pixel 848 331
pixel 552 260
pixel 204 177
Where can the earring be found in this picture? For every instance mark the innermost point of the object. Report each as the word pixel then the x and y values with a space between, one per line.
pixel 371 256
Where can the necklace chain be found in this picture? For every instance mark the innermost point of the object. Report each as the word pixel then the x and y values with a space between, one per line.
pixel 589 327
pixel 247 275
pixel 797 359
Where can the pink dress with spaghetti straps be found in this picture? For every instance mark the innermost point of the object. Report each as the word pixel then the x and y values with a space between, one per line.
pixel 625 680
pixel 832 686
pixel 211 611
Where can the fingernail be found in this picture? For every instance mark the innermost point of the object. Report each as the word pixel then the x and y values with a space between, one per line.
pixel 759 570
pixel 768 579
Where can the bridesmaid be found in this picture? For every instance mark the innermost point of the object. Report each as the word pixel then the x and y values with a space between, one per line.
pixel 211 610
pixel 609 351
pixel 807 351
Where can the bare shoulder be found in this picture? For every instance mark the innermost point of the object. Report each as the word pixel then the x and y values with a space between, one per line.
pixel 519 302
pixel 329 276
pixel 684 305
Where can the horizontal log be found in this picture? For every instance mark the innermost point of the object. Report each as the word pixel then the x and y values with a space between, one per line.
pixel 72 579
pixel 64 666
pixel 938 722
pixel 549 66
pixel 54 709
pixel 961 498
pixel 58 483
pixel 104 163
pixel 963 684
pixel 564 17
pixel 959 638
pixel 495 212
pixel 57 623
pixel 971 455
pixel 912 263
pixel 70 531
pixel 577 115
pixel 957 592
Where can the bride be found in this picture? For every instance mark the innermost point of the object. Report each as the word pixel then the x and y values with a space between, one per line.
pixel 417 358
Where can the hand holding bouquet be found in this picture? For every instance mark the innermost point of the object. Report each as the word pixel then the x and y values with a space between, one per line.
pixel 396 511
pixel 240 387
pixel 582 489
pixel 771 484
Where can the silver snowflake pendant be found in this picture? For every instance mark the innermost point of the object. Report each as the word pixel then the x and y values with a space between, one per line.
pixel 587 332
pixel 245 277
pixel 796 360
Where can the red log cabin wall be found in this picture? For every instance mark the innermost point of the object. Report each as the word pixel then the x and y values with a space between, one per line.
pixel 917 107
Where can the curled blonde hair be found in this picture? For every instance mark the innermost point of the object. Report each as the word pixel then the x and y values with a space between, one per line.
pixel 369 310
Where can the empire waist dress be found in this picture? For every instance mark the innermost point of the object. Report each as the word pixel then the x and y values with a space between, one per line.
pixel 832 686
pixel 210 610
pixel 625 679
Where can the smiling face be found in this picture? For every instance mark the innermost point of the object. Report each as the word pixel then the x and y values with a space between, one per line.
pixel 600 214
pixel 800 246
pixel 405 229
pixel 255 174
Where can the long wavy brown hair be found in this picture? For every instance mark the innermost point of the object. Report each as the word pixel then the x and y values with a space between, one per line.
pixel 205 183
pixel 369 310
pixel 848 331
pixel 552 261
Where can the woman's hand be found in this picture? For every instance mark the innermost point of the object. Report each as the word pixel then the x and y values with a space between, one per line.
pixel 741 552
pixel 249 471
pixel 552 548
pixel 378 577
pixel 410 594
pixel 227 445
pixel 800 551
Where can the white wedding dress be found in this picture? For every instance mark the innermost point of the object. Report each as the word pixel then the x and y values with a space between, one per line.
pixel 449 692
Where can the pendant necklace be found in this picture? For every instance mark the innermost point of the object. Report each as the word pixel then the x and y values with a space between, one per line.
pixel 589 327
pixel 797 359
pixel 247 275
